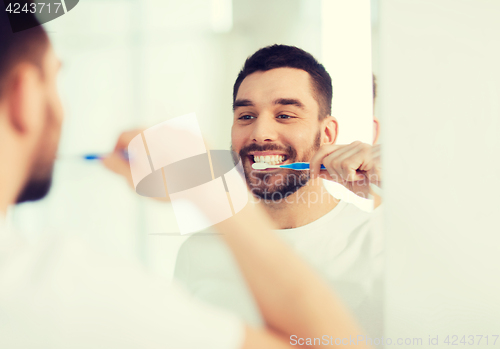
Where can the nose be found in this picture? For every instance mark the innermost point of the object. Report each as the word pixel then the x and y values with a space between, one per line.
pixel 264 130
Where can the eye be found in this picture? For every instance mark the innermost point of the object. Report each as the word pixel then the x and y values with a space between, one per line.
pixel 246 117
pixel 284 116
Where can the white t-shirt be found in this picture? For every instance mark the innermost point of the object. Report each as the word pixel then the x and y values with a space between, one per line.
pixel 60 294
pixel 342 245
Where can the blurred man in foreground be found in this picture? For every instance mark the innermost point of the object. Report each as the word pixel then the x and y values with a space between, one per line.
pixel 59 294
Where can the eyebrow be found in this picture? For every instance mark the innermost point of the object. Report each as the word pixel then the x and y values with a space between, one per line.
pixel 242 103
pixel 280 101
pixel 289 101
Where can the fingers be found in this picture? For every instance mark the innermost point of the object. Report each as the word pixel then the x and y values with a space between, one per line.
pixel 348 160
pixel 331 176
pixel 375 172
pixel 317 159
pixel 354 165
pixel 116 162
pixel 125 138
pixel 345 161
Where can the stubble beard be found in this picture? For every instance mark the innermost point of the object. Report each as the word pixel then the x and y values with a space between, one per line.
pixel 278 185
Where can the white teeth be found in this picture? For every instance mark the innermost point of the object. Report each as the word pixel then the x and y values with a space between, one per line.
pixel 270 159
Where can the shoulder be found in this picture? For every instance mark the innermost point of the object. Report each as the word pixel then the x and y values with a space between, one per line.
pixel 344 219
pixel 350 215
pixel 60 260
pixel 199 244
pixel 62 284
pixel 349 211
pixel 365 224
pixel 203 254
pixel 346 230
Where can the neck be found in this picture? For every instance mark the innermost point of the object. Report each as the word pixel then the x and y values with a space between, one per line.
pixel 13 169
pixel 306 205
pixel 10 185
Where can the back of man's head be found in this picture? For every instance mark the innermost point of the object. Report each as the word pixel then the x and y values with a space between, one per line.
pixel 283 56
pixel 25 46
pixel 30 109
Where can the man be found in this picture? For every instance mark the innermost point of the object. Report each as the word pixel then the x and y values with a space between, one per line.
pixel 282 114
pixel 59 294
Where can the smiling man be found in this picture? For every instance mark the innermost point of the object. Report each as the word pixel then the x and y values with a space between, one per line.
pixel 282 103
pixel 282 114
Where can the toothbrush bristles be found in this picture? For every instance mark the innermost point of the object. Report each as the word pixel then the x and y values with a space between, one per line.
pixel 262 166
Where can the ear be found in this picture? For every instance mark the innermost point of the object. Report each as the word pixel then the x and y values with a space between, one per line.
pixel 329 129
pixel 376 130
pixel 25 98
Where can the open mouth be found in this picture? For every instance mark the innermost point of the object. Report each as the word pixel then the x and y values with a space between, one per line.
pixel 274 159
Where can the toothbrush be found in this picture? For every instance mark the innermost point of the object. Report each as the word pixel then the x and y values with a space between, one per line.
pixel 91 156
pixel 96 156
pixel 294 166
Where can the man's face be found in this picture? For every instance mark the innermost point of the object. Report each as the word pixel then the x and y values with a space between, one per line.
pixel 276 121
pixel 51 110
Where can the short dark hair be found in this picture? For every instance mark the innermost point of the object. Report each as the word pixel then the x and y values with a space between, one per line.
pixel 28 45
pixel 283 56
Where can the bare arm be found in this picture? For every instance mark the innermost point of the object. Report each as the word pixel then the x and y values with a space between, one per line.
pixel 264 338
pixel 292 298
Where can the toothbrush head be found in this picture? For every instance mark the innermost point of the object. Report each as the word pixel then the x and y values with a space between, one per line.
pixel 262 166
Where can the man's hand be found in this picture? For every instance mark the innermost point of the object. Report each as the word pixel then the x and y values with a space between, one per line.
pixel 116 161
pixel 354 165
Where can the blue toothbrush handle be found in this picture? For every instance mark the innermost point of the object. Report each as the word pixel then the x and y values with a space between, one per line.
pixel 91 157
pixel 300 166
